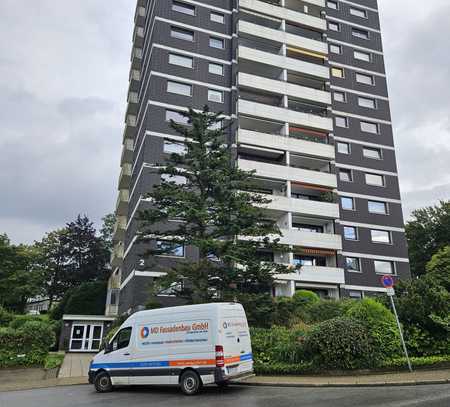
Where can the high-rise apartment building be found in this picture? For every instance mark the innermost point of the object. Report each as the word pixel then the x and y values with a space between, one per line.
pixel 304 84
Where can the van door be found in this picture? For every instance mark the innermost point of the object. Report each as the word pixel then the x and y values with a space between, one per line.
pixel 117 357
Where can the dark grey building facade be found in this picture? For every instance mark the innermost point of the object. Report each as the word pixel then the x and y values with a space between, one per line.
pixel 304 85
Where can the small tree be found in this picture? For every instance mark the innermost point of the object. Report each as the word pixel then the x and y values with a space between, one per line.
pixel 204 191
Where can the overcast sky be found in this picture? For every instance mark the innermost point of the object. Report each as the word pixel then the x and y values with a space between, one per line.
pixel 63 81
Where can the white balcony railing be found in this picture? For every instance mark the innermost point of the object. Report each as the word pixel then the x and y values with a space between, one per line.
pixel 316 274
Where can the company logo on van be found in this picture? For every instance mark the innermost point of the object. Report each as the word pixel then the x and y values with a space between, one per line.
pixel 144 332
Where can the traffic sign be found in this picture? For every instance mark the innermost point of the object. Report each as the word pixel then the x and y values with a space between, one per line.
pixel 390 291
pixel 387 281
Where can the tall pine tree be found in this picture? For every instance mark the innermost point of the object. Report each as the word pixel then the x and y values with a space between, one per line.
pixel 206 198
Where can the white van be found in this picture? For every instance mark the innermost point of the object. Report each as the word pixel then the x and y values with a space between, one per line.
pixel 189 346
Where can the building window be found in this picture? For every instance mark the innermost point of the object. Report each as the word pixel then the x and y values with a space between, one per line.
pixel 177 117
pixel 339 96
pixel 374 153
pixel 217 17
pixel 181 34
pixel 183 8
pixel 171 147
pixel 356 32
pixel 384 267
pixel 215 96
pixel 358 12
pixel 355 295
pixel 348 203
pixel 179 88
pixel 345 175
pixel 374 179
pixel 367 102
pixel 343 148
pixel 216 69
pixel 370 127
pixel 380 236
pixel 177 179
pixel 170 248
pixel 333 26
pixel 352 264
pixel 350 233
pixel 341 121
pixel 377 207
pixel 365 79
pixel 181 60
pixel 362 56
pixel 216 126
pixel 335 49
pixel 332 4
pixel 215 42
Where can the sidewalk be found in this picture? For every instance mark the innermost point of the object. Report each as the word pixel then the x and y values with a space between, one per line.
pixel 75 365
pixel 387 379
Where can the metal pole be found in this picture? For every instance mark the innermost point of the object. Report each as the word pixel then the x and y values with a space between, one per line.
pixel 401 333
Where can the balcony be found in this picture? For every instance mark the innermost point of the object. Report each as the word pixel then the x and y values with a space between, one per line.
pixel 119 229
pixel 117 255
pixel 284 88
pixel 139 16
pixel 294 145
pixel 138 36
pixel 280 61
pixel 136 58
pixel 288 14
pixel 301 119
pixel 125 176
pixel 127 151
pixel 295 237
pixel 316 274
pixel 122 202
pixel 283 37
pixel 130 126
pixel 285 173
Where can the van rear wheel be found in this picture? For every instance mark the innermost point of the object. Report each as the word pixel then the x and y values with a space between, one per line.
pixel 102 383
pixel 190 383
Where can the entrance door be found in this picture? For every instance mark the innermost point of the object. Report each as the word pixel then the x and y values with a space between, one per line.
pixel 86 337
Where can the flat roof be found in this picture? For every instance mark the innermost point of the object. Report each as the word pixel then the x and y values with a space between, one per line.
pixel 70 317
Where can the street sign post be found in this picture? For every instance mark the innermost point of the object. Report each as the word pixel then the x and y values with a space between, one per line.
pixel 388 283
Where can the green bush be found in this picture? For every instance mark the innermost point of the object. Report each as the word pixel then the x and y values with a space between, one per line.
pixel 339 343
pixel 327 309
pixel 27 345
pixel 54 360
pixel 381 326
pixel 285 311
pixel 5 317
pixel 259 308
pixel 305 298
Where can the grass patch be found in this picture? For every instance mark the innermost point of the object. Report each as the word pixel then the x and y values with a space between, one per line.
pixel 53 360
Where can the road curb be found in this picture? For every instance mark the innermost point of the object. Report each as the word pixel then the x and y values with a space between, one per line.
pixel 43 384
pixel 315 385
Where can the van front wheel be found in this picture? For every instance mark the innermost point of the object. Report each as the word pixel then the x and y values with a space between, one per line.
pixel 102 383
pixel 190 383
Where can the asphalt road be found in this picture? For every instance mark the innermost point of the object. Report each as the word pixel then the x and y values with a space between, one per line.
pixel 235 396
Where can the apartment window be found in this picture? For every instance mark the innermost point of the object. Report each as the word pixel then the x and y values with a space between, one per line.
pixel 384 267
pixel 356 32
pixel 343 148
pixel 333 26
pixel 350 233
pixel 215 96
pixel 181 60
pixel 216 69
pixel 177 117
pixel 216 126
pixel 332 4
pixel 355 295
pixel 182 34
pixel 374 153
pixel 339 96
pixel 358 12
pixel 369 127
pixel 341 121
pixel 352 264
pixel 348 203
pixel 179 88
pixel 337 72
pixel 170 248
pixel 380 236
pixel 362 56
pixel 215 42
pixel 177 179
pixel 335 49
pixel 377 207
pixel 374 179
pixel 345 175
pixel 171 147
pixel 365 79
pixel 367 102
pixel 183 8
pixel 217 17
